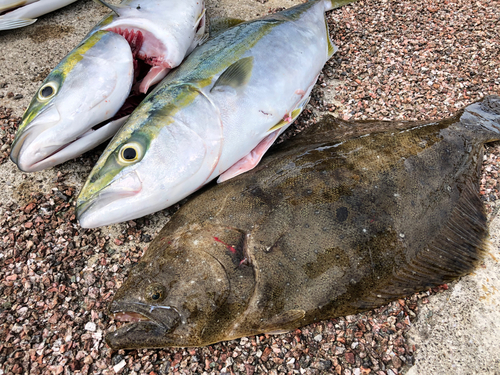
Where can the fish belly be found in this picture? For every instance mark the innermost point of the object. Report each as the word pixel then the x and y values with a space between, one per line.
pixel 278 82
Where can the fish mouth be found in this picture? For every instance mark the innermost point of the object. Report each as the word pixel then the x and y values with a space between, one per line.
pixel 143 334
pixel 145 326
pixel 129 317
pixel 49 156
pixel 92 211
pixel 149 54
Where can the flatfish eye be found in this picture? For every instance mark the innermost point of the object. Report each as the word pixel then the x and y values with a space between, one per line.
pixel 155 292
pixel 130 153
pixel 47 91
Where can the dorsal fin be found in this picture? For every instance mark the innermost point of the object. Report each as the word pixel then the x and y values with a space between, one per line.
pixel 237 75
pixel 221 24
pixel 456 251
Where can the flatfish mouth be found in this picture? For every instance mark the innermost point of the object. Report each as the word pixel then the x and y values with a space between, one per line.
pixel 129 317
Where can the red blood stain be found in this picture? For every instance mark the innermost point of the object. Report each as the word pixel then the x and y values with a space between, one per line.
pixel 229 247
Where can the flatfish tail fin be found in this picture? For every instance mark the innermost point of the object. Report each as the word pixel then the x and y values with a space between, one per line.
pixel 456 251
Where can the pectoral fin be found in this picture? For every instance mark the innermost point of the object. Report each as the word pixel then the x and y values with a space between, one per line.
pixel 200 36
pixel 249 161
pixel 237 75
pixel 220 24
pixel 15 23
pixel 280 323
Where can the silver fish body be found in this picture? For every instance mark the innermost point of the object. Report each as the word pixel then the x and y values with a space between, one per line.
pixel 225 104
pixel 55 127
pixel 101 75
pixel 21 13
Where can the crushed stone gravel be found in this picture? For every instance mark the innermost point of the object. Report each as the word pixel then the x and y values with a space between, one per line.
pixel 406 59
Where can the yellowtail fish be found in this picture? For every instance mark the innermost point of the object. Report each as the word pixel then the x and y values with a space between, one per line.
pixel 343 218
pixel 20 13
pixel 88 95
pixel 216 114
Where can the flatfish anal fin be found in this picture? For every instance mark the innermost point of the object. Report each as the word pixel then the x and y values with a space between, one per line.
pixel 249 161
pixel 283 323
pixel 455 252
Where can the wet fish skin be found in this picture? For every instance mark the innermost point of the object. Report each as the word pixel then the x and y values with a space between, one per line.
pixel 93 83
pixel 80 92
pixel 343 218
pixel 21 13
pixel 226 99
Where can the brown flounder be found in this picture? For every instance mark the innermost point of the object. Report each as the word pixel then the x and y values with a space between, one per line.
pixel 342 218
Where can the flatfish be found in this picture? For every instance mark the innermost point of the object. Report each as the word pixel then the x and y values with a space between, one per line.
pixel 342 218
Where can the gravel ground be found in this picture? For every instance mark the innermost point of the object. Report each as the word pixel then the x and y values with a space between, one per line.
pixel 397 60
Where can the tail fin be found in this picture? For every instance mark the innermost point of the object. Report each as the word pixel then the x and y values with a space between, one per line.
pixel 332 4
pixel 485 113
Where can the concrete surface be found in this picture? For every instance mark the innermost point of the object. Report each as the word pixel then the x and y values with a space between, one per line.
pixel 457 332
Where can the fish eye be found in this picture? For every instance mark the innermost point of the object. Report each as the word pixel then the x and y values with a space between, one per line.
pixel 155 292
pixel 47 91
pixel 130 152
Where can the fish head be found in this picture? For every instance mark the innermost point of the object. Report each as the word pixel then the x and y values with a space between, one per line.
pixel 88 86
pixel 161 45
pixel 152 163
pixel 173 295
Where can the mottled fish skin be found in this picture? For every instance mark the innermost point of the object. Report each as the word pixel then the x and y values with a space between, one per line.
pixel 243 85
pixel 94 83
pixel 343 218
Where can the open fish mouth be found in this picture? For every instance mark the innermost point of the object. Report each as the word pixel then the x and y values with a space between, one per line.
pixel 140 334
pixel 148 52
pixel 129 317
pixel 144 325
